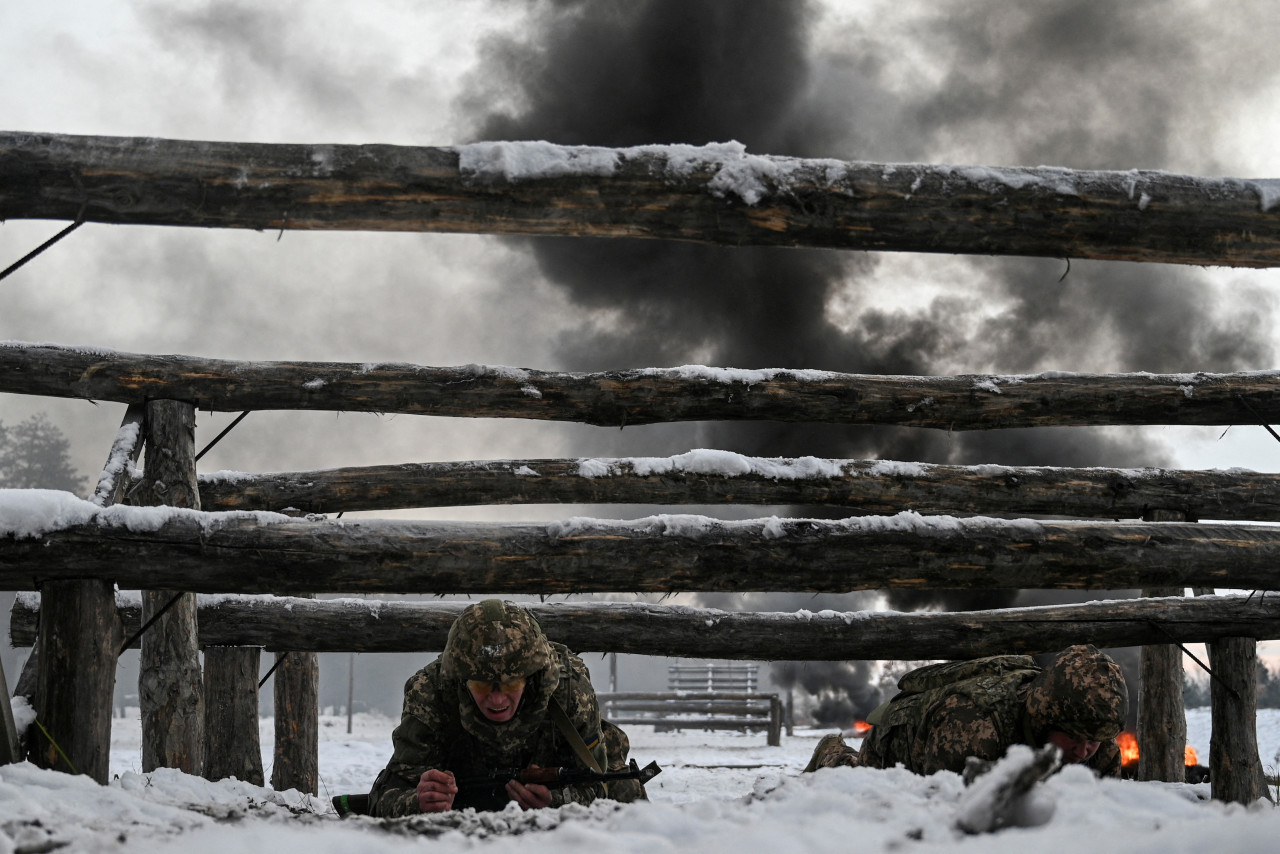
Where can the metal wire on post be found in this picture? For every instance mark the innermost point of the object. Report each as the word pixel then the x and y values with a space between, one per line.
pixel 43 246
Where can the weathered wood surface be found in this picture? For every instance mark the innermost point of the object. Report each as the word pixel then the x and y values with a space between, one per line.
pixel 232 746
pixel 714 194
pixel 359 625
pixel 231 553
pixel 1162 720
pixel 170 684
pixel 1235 769
pixel 856 486
pixel 75 680
pixel 10 738
pixel 114 482
pixel 79 642
pixel 295 755
pixel 648 395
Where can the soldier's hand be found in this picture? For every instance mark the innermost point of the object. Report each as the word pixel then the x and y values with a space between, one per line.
pixel 436 790
pixel 530 796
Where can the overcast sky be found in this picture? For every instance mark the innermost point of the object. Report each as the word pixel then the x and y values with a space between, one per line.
pixel 1181 85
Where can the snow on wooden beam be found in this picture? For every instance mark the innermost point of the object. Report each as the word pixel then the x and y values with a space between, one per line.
pixel 52 536
pixel 715 193
pixel 723 477
pixel 647 395
pixel 361 625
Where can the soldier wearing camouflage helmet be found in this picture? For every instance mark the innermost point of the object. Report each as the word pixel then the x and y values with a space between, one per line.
pixel 486 703
pixel 946 713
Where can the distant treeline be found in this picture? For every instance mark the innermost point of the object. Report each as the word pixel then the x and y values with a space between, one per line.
pixel 1195 688
pixel 34 454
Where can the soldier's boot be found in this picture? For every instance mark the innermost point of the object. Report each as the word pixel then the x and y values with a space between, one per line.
pixel 831 752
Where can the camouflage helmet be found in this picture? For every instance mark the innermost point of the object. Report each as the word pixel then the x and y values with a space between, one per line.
pixel 494 641
pixel 1082 693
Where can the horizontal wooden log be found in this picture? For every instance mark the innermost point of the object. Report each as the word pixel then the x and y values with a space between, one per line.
pixel 269 553
pixel 720 477
pixel 647 395
pixel 359 625
pixel 713 194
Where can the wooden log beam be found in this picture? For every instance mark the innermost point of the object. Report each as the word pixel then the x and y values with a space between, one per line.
pixel 712 194
pixel 1235 768
pixel 170 682
pixel 719 477
pixel 647 395
pixel 268 553
pixel 296 751
pixel 73 668
pixel 1162 718
pixel 232 747
pixel 360 625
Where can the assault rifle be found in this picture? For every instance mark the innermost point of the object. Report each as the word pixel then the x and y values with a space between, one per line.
pixel 557 778
pixel 552 778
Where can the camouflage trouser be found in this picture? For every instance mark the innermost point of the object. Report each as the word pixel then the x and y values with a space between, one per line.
pixel 832 752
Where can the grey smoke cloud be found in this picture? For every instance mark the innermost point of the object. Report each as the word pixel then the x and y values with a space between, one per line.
pixel 1067 82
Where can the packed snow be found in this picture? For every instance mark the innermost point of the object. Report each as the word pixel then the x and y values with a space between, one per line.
pixel 717 792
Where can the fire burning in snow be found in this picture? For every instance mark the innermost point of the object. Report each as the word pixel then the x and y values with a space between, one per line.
pixel 1128 743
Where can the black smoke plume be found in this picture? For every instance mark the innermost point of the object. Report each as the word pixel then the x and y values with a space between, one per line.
pixel 1063 82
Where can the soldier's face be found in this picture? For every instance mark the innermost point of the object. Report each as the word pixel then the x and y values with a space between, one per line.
pixel 497 701
pixel 1074 750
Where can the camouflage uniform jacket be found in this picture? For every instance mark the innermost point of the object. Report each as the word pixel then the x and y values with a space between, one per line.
pixel 937 728
pixel 442 728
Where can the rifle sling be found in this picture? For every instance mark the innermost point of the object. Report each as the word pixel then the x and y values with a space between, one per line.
pixel 571 734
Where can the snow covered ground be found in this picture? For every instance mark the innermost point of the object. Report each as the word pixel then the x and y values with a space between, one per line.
pixel 717 792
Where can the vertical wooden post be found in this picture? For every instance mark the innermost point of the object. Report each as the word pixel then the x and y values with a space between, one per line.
pixel 232 745
pixel 1162 720
pixel 169 680
pixel 79 638
pixel 9 749
pixel 296 756
pixel 1235 770
pixel 74 658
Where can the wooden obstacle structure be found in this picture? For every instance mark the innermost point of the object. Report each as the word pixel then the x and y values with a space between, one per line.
pixel 698 710
pixel 1136 527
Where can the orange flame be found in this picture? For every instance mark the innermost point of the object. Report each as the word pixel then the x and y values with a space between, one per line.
pixel 861 728
pixel 1128 744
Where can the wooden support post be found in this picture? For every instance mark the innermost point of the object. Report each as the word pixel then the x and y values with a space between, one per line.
pixel 74 660
pixel 79 640
pixel 1162 720
pixel 1235 770
pixel 775 721
pixel 169 680
pixel 232 746
pixel 296 757
pixel 10 750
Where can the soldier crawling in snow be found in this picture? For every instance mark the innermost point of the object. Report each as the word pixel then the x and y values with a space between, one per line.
pixel 500 696
pixel 947 712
